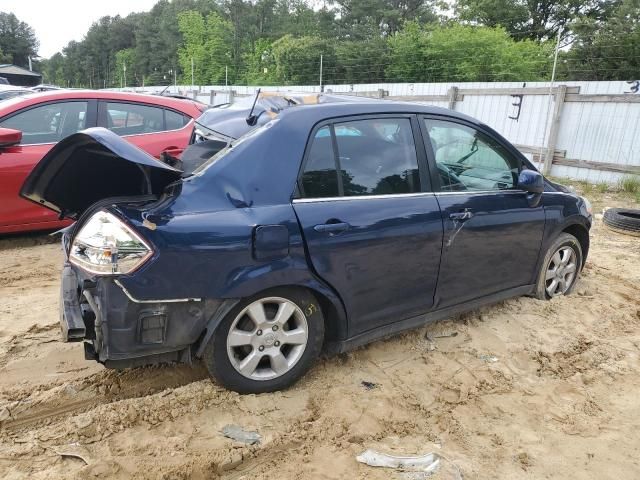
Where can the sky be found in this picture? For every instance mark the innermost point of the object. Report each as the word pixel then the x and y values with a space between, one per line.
pixel 57 22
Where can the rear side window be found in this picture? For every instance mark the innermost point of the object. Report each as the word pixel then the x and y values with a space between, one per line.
pixel 320 178
pixel 373 157
pixel 133 119
pixel 174 121
pixel 49 123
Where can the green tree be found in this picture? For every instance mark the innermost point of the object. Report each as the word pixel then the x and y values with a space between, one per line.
pixel 534 19
pixel 4 58
pixel 126 67
pixel 608 50
pixel 297 60
pixel 364 19
pixel 260 67
pixel 465 53
pixel 207 42
pixel 360 61
pixel 52 71
pixel 17 40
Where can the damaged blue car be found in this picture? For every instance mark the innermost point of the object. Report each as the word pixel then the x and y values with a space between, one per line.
pixel 325 228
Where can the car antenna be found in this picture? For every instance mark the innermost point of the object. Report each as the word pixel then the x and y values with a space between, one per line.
pixel 252 119
pixel 164 90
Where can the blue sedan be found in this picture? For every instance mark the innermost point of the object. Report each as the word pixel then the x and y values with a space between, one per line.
pixel 325 228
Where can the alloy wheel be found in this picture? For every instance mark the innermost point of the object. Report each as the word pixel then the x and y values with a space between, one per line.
pixel 267 338
pixel 561 271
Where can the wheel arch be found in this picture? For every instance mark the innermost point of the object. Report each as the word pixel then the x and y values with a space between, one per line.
pixel 581 232
pixel 333 312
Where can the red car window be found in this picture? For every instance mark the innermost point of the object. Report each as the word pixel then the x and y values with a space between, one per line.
pixel 48 123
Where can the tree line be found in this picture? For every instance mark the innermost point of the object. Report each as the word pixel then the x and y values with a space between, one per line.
pixel 274 42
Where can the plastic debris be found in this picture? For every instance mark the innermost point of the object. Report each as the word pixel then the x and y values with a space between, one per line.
pixel 237 433
pixel 75 450
pixel 369 385
pixel 428 463
pixel 431 337
pixel 488 358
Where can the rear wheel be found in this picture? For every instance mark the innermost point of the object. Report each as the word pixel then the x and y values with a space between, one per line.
pixel 560 268
pixel 267 342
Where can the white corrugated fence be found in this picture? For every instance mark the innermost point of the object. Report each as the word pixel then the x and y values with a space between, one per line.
pixel 584 130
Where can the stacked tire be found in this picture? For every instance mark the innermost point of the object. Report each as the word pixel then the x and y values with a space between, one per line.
pixel 623 220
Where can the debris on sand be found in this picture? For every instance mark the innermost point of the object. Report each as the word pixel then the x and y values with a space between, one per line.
pixel 488 358
pixel 74 450
pixel 428 463
pixel 237 433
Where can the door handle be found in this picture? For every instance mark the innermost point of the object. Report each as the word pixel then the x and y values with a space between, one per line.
pixel 462 216
pixel 332 227
pixel 173 151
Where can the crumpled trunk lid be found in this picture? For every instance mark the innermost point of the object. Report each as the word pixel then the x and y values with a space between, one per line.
pixel 92 165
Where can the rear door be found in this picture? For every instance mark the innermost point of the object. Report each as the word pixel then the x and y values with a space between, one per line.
pixel 492 236
pixel 372 226
pixel 152 128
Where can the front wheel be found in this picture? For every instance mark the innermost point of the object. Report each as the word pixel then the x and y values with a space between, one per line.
pixel 560 268
pixel 267 342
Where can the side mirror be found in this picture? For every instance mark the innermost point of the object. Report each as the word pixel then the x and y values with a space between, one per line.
pixel 531 181
pixel 9 136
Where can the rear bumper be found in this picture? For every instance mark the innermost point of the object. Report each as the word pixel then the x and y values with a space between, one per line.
pixel 121 331
pixel 71 321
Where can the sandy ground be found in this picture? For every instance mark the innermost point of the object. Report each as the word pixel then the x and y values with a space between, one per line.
pixel 524 389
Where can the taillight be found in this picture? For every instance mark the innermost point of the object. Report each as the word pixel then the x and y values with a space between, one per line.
pixel 105 245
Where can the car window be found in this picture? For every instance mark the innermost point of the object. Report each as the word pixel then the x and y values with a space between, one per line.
pixel 133 119
pixel 48 123
pixel 347 131
pixel 319 178
pixel 174 120
pixel 467 159
pixel 375 157
pixel 380 159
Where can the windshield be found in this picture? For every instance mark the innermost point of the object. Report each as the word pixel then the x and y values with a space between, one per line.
pixel 230 146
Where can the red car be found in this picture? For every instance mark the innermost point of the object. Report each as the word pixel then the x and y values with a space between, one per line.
pixel 30 125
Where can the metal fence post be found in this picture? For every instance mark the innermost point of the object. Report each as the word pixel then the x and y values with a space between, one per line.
pixel 560 94
pixel 453 97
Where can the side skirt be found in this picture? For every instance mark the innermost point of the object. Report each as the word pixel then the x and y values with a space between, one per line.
pixel 420 320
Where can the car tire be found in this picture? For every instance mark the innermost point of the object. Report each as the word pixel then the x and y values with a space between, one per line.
pixel 556 276
pixel 622 220
pixel 284 327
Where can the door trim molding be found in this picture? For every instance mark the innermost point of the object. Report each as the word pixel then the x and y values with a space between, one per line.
pixel 363 197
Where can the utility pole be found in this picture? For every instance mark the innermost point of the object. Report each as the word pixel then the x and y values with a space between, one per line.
pixel 124 73
pixel 320 73
pixel 541 157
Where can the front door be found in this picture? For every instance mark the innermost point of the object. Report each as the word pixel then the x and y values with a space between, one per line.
pixel 372 228
pixel 492 236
